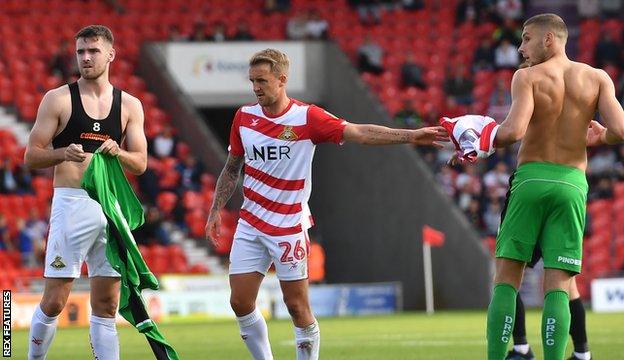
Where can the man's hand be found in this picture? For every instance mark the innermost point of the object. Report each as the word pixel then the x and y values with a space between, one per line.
pixel 213 227
pixel 110 147
pixel 596 134
pixel 75 153
pixel 430 136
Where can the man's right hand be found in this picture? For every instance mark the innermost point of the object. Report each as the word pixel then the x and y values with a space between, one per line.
pixel 596 134
pixel 213 227
pixel 75 153
pixel 432 136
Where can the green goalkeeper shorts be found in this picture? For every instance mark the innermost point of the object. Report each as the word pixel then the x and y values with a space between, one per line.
pixel 545 208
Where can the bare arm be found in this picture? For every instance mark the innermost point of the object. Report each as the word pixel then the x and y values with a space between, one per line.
pixel 515 125
pixel 38 154
pixel 226 184
pixel 134 157
pixel 369 134
pixel 610 110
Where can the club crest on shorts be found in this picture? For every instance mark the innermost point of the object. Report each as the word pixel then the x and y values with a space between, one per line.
pixel 57 263
pixel 288 134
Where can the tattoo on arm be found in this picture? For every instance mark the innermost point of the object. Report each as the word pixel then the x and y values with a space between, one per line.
pixel 226 184
pixel 382 135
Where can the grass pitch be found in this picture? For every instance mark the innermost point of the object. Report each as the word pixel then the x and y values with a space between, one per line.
pixel 445 335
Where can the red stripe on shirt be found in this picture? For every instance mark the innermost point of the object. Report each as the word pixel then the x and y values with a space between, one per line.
pixel 276 207
pixel 272 181
pixel 273 130
pixel 267 228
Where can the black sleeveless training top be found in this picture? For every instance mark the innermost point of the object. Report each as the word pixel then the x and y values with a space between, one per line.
pixel 89 132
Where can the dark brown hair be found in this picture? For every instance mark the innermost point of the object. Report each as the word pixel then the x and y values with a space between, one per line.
pixel 99 31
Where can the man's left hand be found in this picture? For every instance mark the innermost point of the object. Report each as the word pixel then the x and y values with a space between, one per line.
pixel 110 147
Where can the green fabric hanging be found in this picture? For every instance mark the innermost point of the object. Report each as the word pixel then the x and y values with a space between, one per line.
pixel 106 183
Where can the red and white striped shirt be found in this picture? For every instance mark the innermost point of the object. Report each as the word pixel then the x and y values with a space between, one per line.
pixel 278 153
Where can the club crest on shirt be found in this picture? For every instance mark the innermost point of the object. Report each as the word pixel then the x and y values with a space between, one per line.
pixel 288 134
pixel 57 263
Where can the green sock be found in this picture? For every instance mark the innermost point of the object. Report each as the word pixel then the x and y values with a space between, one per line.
pixel 501 314
pixel 555 324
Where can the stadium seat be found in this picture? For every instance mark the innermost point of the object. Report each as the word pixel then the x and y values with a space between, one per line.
pixel 166 201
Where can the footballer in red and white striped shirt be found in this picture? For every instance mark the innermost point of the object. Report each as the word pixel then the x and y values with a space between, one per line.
pixel 274 140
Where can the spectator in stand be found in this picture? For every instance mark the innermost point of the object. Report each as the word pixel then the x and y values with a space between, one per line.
pixel 317 28
pixel 175 34
pixel 152 232
pixel 492 217
pixel 468 10
pixel 276 5
pixel 508 156
pixel 469 186
pixel 411 73
pixel 63 62
pixel 446 179
pixel 164 143
pixel 408 117
pixel 218 33
pixel 611 8
pixel 23 177
pixel 506 56
pixel 500 101
pixel 602 190
pixel 452 108
pixel 588 9
pixel 119 9
pixel 509 9
pixel 473 213
pixel 242 32
pixel 25 244
pixel 619 163
pixel 432 115
pixel 459 86
pixel 5 237
pixel 484 56
pixel 8 183
pixel 190 173
pixel 496 181
pixel 199 32
pixel 370 56
pixel 601 163
pixel 412 5
pixel 37 229
pixel 369 11
pixel 608 51
pixel 509 31
pixel 296 28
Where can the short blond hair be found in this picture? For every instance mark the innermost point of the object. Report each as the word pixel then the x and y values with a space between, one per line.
pixel 550 22
pixel 276 59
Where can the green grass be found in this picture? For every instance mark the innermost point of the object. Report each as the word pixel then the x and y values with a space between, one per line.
pixel 445 335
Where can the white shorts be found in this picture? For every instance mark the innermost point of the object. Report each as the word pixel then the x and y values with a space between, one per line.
pixel 77 234
pixel 253 251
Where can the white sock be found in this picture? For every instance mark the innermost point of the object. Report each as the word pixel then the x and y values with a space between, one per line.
pixel 522 349
pixel 104 340
pixel 253 330
pixel 42 330
pixel 583 356
pixel 308 341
